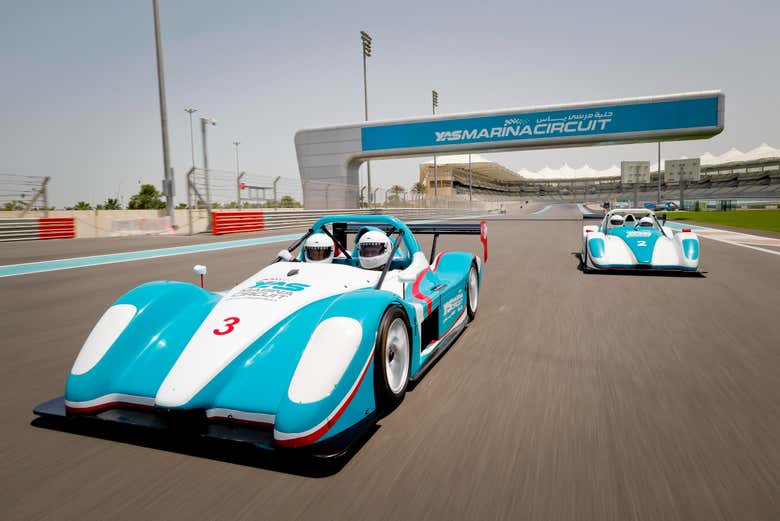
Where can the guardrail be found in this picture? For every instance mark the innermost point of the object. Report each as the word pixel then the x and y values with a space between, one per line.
pixel 37 228
pixel 235 222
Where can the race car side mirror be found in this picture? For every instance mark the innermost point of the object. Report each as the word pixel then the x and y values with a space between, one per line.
pixel 285 255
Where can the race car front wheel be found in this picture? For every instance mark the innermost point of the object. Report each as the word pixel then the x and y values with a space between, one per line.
pixel 472 292
pixel 392 358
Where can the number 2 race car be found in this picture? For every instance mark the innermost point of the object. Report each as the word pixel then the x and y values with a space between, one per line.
pixel 634 239
pixel 303 354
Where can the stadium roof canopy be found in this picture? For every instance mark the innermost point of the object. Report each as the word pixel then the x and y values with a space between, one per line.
pixel 499 172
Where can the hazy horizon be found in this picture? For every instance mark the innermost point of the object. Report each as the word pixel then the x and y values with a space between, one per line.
pixel 80 88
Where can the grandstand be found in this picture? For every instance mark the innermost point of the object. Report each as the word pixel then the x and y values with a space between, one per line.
pixel 734 175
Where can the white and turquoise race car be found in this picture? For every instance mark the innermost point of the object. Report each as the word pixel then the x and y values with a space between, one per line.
pixel 301 354
pixel 634 239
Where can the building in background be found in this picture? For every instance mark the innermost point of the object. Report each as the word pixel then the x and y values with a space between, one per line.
pixel 733 174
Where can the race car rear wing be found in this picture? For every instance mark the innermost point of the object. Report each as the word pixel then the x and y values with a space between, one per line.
pixel 340 231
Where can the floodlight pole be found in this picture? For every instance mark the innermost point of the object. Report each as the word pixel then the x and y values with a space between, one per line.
pixel 366 39
pixel 190 111
pixel 435 103
pixel 204 122
pixel 168 177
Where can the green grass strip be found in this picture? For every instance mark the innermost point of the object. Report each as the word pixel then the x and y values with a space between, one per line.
pixel 768 220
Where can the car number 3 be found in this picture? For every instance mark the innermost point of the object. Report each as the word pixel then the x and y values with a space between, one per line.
pixel 230 323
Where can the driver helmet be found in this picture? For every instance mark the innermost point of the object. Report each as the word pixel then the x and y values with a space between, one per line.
pixel 318 248
pixel 616 220
pixel 374 250
pixel 646 222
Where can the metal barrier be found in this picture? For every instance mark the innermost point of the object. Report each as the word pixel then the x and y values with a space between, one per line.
pixel 38 228
pixel 18 229
pixel 235 222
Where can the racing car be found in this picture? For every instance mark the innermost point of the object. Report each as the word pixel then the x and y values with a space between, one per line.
pixel 633 238
pixel 304 354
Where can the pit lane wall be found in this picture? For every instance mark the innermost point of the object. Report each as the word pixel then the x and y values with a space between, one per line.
pixel 334 154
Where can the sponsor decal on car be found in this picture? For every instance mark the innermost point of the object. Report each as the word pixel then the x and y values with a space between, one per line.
pixel 638 234
pixel 271 290
pixel 453 305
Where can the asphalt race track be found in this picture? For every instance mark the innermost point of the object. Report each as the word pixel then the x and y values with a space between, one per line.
pixel 571 397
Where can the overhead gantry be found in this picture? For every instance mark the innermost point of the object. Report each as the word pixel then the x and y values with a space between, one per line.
pixel 334 154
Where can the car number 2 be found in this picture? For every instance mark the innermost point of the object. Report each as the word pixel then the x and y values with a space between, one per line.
pixel 230 324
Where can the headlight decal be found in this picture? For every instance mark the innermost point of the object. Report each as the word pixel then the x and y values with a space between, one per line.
pixel 103 335
pixel 327 356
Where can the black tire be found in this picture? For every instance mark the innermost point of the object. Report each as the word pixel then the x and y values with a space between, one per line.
pixel 386 397
pixel 472 312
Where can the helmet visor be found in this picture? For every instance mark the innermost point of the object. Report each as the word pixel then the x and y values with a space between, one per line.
pixel 372 249
pixel 318 253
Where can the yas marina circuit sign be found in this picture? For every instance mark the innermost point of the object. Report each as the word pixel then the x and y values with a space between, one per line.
pixel 335 153
pixel 519 127
pixel 662 117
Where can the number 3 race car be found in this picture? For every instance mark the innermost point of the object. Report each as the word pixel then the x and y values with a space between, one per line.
pixel 302 354
pixel 635 239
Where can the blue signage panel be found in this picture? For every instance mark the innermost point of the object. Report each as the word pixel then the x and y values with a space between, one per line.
pixel 588 121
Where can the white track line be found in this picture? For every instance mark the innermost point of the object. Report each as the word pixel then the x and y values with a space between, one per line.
pixel 537 212
pixel 736 238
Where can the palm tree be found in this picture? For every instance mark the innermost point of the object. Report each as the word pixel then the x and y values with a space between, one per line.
pixel 419 189
pixel 112 204
pixel 394 191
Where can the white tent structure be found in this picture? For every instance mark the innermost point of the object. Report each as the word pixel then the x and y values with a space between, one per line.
pixel 761 152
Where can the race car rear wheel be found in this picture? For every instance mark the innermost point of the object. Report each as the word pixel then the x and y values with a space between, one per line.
pixel 472 292
pixel 392 358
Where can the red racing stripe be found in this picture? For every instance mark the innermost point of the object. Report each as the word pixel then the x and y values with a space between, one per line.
pixel 436 260
pixel 107 405
pixel 416 290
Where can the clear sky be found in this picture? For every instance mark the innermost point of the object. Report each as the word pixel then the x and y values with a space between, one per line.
pixel 78 86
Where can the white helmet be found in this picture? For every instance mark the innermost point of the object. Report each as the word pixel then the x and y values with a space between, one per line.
pixel 318 248
pixel 616 220
pixel 374 249
pixel 646 222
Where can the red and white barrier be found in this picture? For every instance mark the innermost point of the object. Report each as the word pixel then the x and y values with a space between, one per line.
pixel 37 228
pixel 56 228
pixel 236 222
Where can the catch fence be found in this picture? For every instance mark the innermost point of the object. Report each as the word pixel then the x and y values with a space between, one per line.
pixel 24 193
